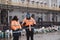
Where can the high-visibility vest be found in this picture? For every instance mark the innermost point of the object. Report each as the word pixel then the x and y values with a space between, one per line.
pixel 29 22
pixel 15 25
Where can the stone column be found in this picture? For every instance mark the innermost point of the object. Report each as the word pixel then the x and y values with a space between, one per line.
pixel 50 3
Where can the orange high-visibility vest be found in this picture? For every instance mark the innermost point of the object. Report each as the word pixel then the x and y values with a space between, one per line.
pixel 15 25
pixel 29 22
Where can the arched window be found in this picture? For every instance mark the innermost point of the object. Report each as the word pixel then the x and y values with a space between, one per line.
pixel 45 3
pixel 28 0
pixel 22 1
pixel 41 2
pixel 14 0
pixel 32 2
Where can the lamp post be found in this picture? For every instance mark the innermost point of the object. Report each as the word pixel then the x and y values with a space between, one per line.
pixel 7 13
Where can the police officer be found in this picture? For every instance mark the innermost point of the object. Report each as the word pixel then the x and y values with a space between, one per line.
pixel 15 26
pixel 28 22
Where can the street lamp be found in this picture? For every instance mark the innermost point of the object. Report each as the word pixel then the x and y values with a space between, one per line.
pixel 7 12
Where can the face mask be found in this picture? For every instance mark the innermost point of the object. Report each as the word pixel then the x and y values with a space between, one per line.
pixel 28 18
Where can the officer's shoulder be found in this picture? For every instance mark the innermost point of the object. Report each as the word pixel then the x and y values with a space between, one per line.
pixel 13 21
pixel 24 19
pixel 32 18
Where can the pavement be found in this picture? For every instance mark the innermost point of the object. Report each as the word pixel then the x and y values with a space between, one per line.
pixel 45 36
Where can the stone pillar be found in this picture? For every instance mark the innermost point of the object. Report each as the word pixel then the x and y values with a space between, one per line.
pixel 50 3
pixel 58 3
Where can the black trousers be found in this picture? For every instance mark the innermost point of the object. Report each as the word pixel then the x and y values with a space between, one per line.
pixel 29 34
pixel 15 36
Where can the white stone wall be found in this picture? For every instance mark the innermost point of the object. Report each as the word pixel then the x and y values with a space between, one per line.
pixel 58 19
pixel 18 13
pixel 46 17
pixel 49 2
pixel 0 1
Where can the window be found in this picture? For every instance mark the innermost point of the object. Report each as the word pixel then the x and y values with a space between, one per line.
pixel 32 2
pixel 41 2
pixel 14 0
pixel 28 0
pixel 22 1
pixel 45 3
pixel 37 2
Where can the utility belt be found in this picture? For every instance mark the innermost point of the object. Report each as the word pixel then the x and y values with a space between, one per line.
pixel 17 31
pixel 31 29
pixel 27 27
pixel 20 30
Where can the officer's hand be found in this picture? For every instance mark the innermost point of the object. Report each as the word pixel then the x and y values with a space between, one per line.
pixel 24 24
pixel 17 29
pixel 21 28
pixel 31 25
pixel 27 26
pixel 34 24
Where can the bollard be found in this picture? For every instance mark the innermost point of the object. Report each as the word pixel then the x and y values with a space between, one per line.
pixel 0 34
pixel 7 34
pixel 11 33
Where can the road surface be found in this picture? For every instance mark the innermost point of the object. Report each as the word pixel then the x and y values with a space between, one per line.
pixel 47 36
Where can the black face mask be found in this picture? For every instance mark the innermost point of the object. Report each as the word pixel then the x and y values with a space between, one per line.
pixel 28 18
